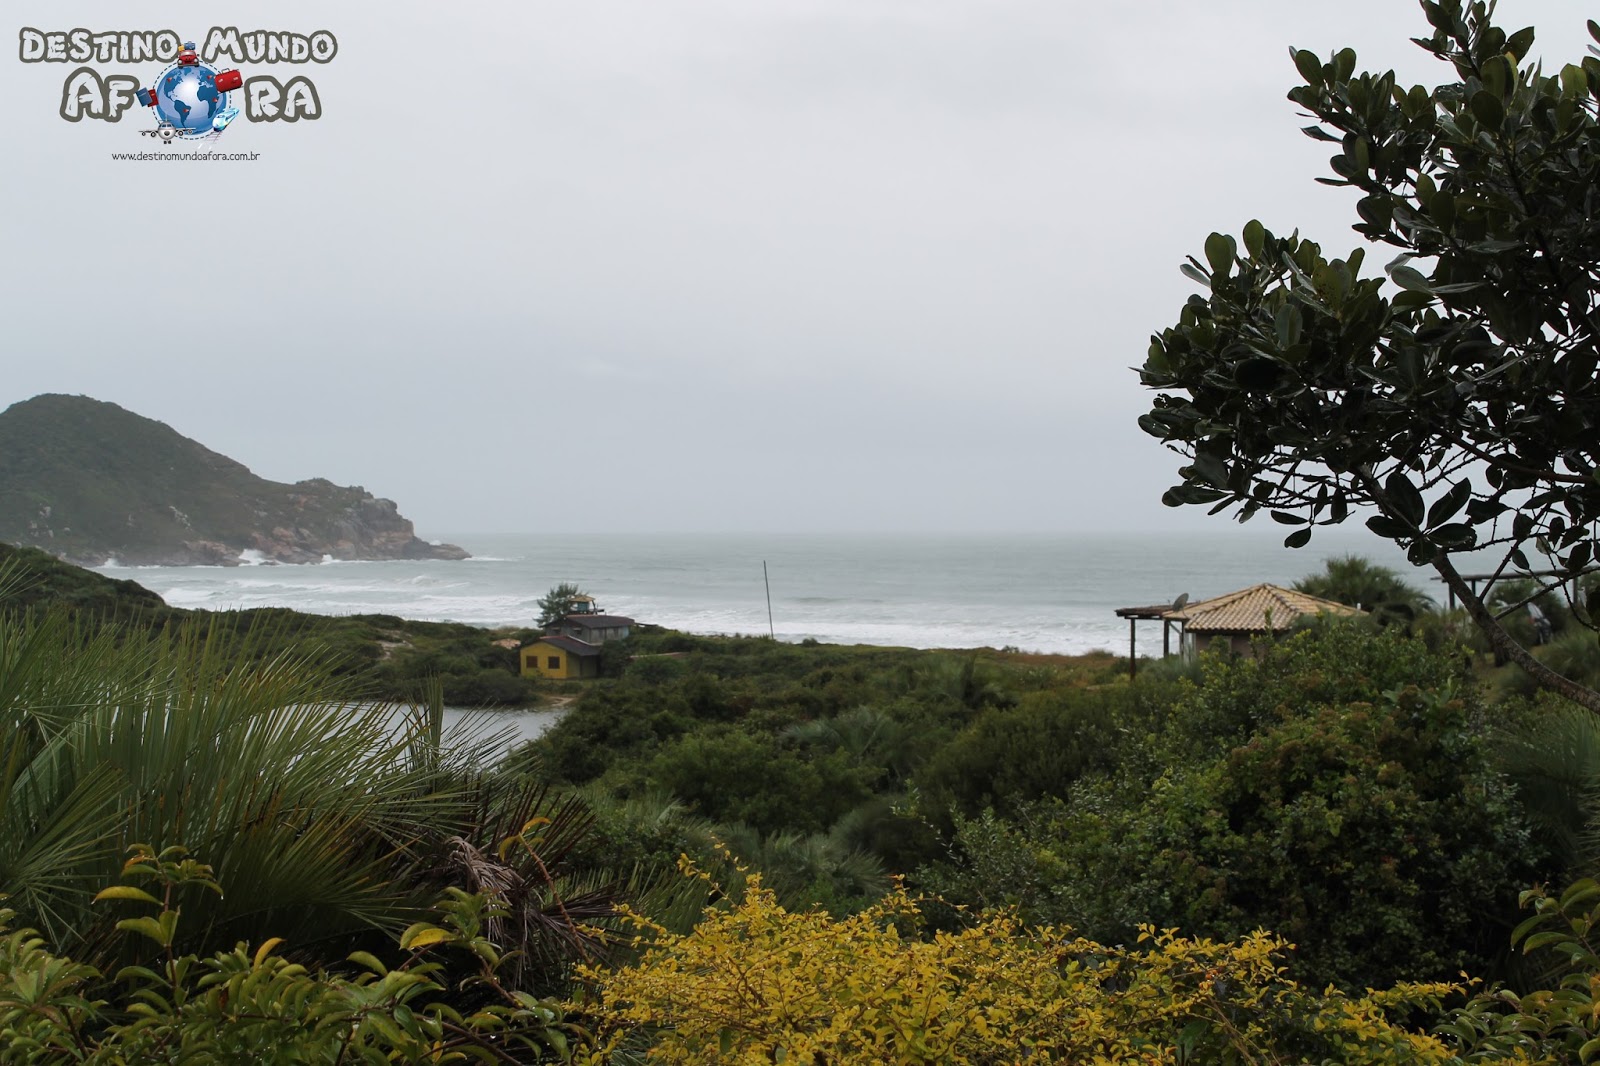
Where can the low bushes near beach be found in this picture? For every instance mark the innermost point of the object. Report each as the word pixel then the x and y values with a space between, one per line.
pixel 1341 790
pixel 754 982
pixel 1347 789
pixel 1344 789
pixel 805 754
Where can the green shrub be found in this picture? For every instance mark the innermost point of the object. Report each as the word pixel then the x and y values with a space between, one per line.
pixel 487 688
pixel 1317 792
pixel 1007 757
pixel 654 670
pixel 730 776
pixel 1574 655
pixel 255 1005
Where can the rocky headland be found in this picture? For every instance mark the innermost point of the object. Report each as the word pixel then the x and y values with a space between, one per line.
pixel 90 482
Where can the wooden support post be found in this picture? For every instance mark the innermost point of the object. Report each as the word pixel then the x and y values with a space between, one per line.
pixel 1131 643
pixel 1166 638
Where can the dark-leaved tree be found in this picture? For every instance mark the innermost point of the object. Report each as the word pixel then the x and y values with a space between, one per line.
pixel 1363 583
pixel 557 603
pixel 1461 405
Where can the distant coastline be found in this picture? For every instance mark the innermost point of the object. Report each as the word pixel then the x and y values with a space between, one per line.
pixel 1044 594
pixel 90 482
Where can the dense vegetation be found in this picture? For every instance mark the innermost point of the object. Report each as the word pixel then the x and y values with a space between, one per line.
pixel 1371 792
pixel 307 883
pixel 1340 790
pixel 328 826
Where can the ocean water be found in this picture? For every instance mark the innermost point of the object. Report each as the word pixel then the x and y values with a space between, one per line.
pixel 1037 592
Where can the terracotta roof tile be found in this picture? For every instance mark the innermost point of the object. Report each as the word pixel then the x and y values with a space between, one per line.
pixel 1255 610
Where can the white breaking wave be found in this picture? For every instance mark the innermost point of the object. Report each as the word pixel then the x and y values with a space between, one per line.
pixel 1043 594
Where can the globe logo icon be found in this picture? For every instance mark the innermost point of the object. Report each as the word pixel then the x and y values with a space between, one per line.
pixel 188 98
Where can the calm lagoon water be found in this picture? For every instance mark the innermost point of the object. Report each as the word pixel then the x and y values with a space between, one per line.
pixel 511 728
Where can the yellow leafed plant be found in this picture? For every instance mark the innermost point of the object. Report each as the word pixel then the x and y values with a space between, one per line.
pixel 756 983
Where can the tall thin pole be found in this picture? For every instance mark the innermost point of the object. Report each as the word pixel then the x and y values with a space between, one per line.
pixel 768 582
pixel 1132 639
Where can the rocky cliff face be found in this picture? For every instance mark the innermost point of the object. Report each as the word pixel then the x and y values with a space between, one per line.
pixel 362 527
pixel 90 482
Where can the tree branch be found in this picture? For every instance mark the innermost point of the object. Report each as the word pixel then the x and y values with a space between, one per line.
pixel 1503 643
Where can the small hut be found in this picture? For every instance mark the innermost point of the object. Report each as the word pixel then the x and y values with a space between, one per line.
pixel 1246 615
pixel 1237 617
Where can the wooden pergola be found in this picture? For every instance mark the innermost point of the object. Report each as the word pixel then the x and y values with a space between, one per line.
pixel 1155 613
pixel 1490 579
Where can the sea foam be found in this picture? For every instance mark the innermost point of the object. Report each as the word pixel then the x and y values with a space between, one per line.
pixel 1038 593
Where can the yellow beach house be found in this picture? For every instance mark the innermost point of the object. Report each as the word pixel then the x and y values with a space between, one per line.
pixel 560 657
pixel 570 646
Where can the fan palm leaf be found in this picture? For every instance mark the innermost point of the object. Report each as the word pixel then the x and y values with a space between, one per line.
pixel 1555 762
pixel 307 802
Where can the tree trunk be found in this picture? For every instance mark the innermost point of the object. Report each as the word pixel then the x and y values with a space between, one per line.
pixel 1505 647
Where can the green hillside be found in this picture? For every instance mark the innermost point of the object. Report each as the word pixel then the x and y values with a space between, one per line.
pixel 89 481
pixel 36 578
pixel 390 658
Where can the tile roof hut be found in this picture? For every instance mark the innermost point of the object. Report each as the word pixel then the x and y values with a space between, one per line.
pixel 1249 613
pixel 1237 617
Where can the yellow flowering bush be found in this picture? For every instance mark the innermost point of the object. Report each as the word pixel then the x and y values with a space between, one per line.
pixel 756 983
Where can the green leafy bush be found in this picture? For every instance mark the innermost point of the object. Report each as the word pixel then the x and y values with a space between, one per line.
pixel 731 776
pixel 256 1005
pixel 1339 791
pixel 1008 757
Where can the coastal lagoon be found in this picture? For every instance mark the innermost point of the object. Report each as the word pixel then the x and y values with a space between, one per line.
pixel 508 728
pixel 1036 592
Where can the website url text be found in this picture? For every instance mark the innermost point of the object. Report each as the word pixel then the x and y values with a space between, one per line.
pixel 198 157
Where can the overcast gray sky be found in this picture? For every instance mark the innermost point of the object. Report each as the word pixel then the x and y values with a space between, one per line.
pixel 682 264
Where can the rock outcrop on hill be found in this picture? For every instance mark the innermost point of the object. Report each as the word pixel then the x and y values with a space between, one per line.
pixel 89 482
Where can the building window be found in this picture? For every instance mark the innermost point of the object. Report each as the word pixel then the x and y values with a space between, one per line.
pixel 553 663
